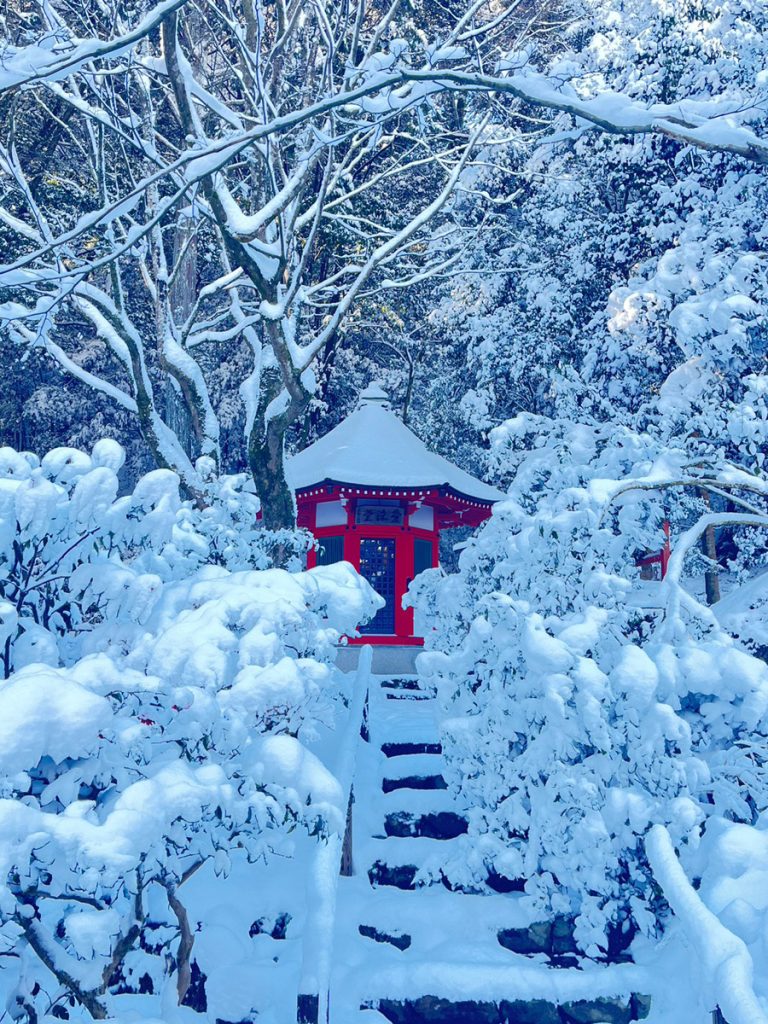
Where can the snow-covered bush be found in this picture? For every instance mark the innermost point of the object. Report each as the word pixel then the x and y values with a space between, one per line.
pixel 74 556
pixel 226 530
pixel 175 732
pixel 52 519
pixel 581 704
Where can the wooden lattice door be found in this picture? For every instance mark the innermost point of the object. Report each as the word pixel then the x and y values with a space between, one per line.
pixel 377 565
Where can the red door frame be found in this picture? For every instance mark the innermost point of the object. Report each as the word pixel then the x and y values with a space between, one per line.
pixel 403 537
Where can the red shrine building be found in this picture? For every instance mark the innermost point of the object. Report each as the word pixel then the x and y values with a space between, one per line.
pixel 374 495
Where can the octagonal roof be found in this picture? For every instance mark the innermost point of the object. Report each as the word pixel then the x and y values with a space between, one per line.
pixel 372 447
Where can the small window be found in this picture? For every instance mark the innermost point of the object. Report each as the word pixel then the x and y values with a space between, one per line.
pixel 422 555
pixel 331 550
pixel 330 513
pixel 423 518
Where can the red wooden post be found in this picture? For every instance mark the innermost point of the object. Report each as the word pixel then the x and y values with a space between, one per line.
pixel 352 536
pixel 666 550
pixel 312 553
pixel 403 576
pixel 661 558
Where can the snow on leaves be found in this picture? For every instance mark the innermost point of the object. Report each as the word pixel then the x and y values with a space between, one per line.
pixel 161 724
pixel 581 704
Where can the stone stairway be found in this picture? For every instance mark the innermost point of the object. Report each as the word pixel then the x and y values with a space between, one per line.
pixel 409 949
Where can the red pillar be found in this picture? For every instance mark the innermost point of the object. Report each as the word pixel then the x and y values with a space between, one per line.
pixel 308 517
pixel 352 537
pixel 312 553
pixel 666 551
pixel 403 575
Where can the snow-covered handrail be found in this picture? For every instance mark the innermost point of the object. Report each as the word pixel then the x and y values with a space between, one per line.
pixel 323 882
pixel 726 966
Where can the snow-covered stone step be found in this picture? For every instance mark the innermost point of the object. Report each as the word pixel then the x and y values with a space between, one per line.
pixel 410 721
pixel 411 731
pixel 393 682
pixel 404 849
pixel 440 825
pixel 410 695
pixel 406 688
pixel 443 923
pixel 440 920
pixel 436 1010
pixel 404 748
pixel 433 781
pixel 395 715
pixel 413 802
pixel 396 938
pixel 401 876
pixel 407 683
pixel 416 801
pixel 407 862
pixel 412 764
pixel 453 969
pixel 472 992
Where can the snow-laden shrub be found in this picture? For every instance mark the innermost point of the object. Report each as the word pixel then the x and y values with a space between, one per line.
pixel 581 704
pixel 226 530
pixel 74 555
pixel 177 732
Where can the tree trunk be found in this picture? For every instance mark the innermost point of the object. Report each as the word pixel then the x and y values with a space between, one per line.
pixel 182 410
pixel 186 943
pixel 266 460
pixel 711 576
pixel 266 451
pixel 409 387
pixel 709 543
pixel 347 865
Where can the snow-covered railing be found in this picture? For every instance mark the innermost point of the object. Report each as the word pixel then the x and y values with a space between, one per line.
pixel 725 961
pixel 312 1006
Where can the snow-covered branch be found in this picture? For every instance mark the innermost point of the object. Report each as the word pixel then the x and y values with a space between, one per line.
pixel 54 58
pixel 725 965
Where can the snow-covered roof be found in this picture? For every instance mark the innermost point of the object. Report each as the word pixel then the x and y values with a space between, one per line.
pixel 372 447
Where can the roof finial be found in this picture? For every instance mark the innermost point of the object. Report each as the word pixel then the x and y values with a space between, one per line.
pixel 374 394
